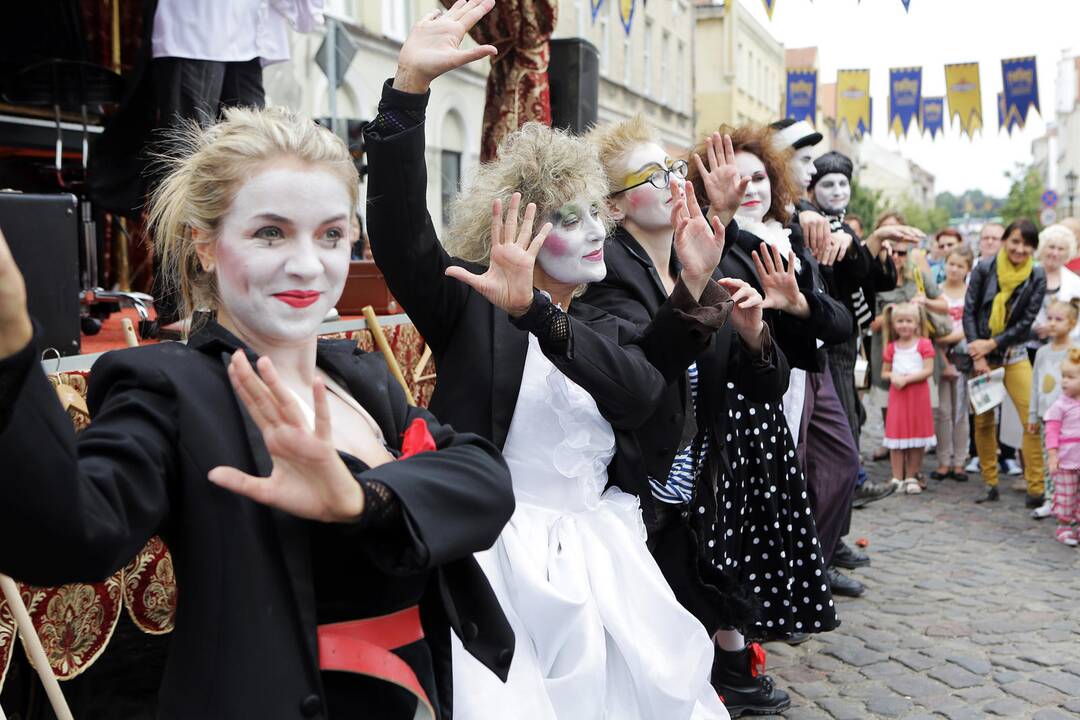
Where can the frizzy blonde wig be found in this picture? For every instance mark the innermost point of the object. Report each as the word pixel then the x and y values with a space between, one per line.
pixel 204 168
pixel 615 140
pixel 548 167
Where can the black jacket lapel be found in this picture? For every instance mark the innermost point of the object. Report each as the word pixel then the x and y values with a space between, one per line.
pixel 509 347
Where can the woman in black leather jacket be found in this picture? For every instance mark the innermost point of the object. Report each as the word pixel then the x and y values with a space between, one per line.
pixel 1003 298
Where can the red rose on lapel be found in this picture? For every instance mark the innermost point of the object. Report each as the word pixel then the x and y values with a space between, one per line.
pixel 416 439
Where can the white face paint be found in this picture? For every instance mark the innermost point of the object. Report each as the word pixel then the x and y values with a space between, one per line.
pixel 282 253
pixel 832 193
pixel 573 252
pixel 647 206
pixel 757 201
pixel 803 167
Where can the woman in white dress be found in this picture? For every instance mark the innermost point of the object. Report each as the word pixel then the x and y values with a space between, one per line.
pixel 559 386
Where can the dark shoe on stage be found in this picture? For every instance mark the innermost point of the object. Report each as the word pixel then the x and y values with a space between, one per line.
pixel 870 491
pixel 740 680
pixel 938 475
pixel 848 558
pixel 959 475
pixel 990 496
pixel 1033 501
pixel 797 638
pixel 844 585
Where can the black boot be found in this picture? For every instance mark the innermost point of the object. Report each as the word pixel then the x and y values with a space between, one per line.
pixel 848 557
pixel 991 496
pixel 740 680
pixel 841 584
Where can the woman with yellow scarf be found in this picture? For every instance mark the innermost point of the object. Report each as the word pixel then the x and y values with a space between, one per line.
pixel 1003 299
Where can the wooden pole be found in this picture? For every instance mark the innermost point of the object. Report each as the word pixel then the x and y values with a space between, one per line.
pixel 384 347
pixel 32 643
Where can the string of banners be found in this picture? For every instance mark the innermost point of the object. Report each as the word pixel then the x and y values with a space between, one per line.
pixel 770 5
pixel 908 105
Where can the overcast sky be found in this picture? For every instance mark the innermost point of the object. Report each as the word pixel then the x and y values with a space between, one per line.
pixel 877 34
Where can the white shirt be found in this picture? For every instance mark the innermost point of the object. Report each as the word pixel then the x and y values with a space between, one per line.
pixel 231 30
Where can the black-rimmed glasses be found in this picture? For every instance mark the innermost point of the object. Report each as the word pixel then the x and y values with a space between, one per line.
pixel 659 178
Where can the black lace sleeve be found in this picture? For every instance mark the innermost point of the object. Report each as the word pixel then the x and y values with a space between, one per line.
pixel 548 323
pixel 382 510
pixel 398 111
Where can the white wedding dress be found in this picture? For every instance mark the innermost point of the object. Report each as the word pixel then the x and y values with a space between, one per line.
pixel 599 634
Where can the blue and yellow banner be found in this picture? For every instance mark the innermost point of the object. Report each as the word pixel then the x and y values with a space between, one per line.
pixel 1021 83
pixel 932 116
pixel 965 96
pixel 770 5
pixel 596 7
pixel 802 94
pixel 1007 119
pixel 853 101
pixel 905 98
pixel 906 4
pixel 626 14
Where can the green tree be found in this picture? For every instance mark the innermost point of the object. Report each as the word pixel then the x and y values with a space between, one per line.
pixel 865 203
pixel 929 220
pixel 1024 198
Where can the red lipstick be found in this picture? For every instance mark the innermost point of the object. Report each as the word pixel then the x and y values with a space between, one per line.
pixel 298 298
pixel 595 256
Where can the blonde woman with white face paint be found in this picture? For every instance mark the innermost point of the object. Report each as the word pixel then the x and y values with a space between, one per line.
pixel 558 385
pixel 308 508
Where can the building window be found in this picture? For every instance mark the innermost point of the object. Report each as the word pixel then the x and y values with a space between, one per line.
pixel 665 42
pixel 646 57
pixel 680 78
pixel 605 41
pixel 395 19
pixel 451 181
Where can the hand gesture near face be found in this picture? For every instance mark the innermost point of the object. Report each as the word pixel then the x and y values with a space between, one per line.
pixel 724 186
pixel 434 45
pixel 781 286
pixel 15 327
pixel 816 231
pixel 508 281
pixel 746 313
pixel 699 243
pixel 309 479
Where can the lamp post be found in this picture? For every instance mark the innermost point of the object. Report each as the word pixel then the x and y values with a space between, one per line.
pixel 1070 188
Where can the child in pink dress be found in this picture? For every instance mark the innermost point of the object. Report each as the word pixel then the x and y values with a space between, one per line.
pixel 1061 425
pixel 908 363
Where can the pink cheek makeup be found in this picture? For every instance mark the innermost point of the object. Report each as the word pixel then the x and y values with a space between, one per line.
pixel 555 244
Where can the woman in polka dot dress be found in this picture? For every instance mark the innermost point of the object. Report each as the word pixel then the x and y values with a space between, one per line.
pixel 747 511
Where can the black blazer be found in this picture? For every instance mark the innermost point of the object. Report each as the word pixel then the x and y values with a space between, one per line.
pixel 1021 311
pixel 633 291
pixel 479 353
pixel 829 320
pixel 245 639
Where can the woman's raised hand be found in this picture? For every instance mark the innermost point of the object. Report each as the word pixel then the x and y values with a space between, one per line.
pixel 309 478
pixel 508 281
pixel 746 311
pixel 434 45
pixel 724 186
pixel 15 327
pixel 699 243
pixel 781 286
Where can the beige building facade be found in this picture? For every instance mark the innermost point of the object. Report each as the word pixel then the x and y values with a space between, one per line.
pixel 740 67
pixel 648 69
pixel 378 27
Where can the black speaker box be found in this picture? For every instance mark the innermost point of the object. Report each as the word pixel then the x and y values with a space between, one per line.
pixel 574 75
pixel 43 233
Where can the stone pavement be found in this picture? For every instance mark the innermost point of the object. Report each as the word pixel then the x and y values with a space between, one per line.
pixel 971 611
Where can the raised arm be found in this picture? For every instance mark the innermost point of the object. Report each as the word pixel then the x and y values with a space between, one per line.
pixel 403 239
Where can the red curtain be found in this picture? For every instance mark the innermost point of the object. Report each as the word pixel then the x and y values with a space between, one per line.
pixel 517 88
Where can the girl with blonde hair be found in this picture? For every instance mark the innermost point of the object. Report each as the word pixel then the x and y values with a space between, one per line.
pixel 266 484
pixel 559 386
pixel 907 364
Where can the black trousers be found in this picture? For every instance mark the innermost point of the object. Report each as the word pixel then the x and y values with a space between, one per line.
pixel 185 90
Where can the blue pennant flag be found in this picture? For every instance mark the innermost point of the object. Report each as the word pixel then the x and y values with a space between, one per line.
pixel 905 98
pixel 596 7
pixel 802 94
pixel 1021 84
pixel 932 117
pixel 906 4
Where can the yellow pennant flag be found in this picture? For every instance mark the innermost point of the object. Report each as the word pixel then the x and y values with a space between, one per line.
pixel 770 5
pixel 965 96
pixel 853 101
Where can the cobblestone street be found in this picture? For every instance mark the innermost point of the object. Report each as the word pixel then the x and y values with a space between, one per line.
pixel 971 611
